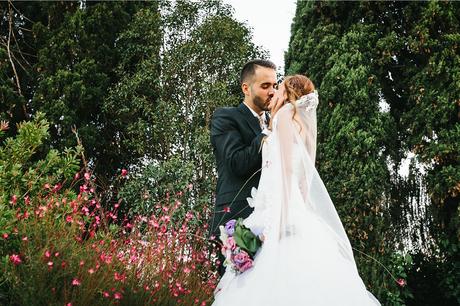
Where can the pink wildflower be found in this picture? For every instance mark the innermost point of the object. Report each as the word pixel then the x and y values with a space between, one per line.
pixel 76 282
pixel 87 176
pixel 106 294
pixel 15 259
pixel 5 236
pixel 119 277
pixel 117 296
pixel 14 199
pixel 401 282
pixel 47 254
pixel 124 172
pixel 57 187
pixel 69 219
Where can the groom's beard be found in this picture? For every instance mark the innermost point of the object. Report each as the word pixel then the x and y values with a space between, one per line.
pixel 261 103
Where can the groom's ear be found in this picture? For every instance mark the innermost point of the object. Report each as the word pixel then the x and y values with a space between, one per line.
pixel 245 89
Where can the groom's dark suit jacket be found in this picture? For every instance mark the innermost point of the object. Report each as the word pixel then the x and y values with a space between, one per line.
pixel 236 139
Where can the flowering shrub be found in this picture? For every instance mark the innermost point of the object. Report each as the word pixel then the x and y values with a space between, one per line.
pixel 65 254
pixel 61 245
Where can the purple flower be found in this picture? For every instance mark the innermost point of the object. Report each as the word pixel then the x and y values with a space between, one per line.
pixel 230 227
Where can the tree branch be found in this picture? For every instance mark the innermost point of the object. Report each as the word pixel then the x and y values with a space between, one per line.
pixel 10 30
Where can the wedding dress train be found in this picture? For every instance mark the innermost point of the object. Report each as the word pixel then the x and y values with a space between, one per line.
pixel 306 257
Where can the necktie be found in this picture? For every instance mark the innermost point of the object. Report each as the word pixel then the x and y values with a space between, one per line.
pixel 262 121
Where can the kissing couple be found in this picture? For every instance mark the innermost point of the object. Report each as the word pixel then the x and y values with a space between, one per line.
pixel 268 142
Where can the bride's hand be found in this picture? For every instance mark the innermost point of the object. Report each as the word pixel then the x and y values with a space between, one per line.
pixel 277 102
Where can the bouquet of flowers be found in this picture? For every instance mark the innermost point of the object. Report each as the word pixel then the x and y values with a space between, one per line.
pixel 239 245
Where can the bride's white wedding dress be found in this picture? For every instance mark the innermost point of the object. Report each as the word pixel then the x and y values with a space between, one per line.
pixel 306 257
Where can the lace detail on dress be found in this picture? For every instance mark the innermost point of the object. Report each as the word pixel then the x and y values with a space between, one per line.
pixel 308 102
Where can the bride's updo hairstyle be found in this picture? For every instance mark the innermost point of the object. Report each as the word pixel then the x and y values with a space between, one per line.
pixel 297 86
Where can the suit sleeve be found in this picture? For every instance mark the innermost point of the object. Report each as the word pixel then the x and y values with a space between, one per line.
pixel 241 159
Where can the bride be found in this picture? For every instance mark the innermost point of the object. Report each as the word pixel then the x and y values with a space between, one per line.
pixel 306 258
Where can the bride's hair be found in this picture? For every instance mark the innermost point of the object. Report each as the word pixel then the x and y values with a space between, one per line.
pixel 297 86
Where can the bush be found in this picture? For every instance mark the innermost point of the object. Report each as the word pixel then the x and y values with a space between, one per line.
pixel 63 246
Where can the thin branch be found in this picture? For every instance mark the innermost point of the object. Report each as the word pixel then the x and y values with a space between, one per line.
pixel 10 30
pixel 20 52
pixel 25 17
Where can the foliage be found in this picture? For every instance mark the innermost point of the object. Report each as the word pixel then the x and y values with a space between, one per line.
pixel 166 114
pixel 387 76
pixel 23 176
pixel 60 246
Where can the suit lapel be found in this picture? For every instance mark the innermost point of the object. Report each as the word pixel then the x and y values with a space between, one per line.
pixel 250 119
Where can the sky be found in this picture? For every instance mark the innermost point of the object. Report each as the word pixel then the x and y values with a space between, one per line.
pixel 270 21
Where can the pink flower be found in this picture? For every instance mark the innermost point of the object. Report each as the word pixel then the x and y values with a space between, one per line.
pixel 57 187
pixel 124 172
pixel 106 294
pixel 87 176
pixel 5 236
pixel 119 277
pixel 231 244
pixel 15 259
pixel 69 219
pixel 401 282
pixel 14 199
pixel 241 258
pixel 247 265
pixel 50 264
pixel 91 271
pixel 47 254
pixel 226 209
pixel 76 282
pixel 77 176
pixel 117 296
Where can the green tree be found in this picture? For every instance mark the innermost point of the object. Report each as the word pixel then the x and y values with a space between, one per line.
pixel 387 73
pixel 198 74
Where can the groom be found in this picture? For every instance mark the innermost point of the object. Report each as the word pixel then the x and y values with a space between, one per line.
pixel 236 138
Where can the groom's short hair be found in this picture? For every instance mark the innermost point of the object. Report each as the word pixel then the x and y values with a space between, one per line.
pixel 249 69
